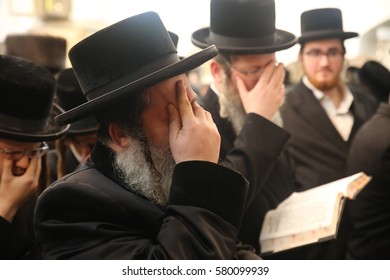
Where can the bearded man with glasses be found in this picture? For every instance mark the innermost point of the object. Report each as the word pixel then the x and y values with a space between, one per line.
pixel 26 122
pixel 244 100
pixel 322 114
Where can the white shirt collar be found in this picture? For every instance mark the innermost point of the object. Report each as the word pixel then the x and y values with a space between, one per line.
pixel 345 104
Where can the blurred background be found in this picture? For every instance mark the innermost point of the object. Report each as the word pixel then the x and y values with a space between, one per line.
pixel 76 19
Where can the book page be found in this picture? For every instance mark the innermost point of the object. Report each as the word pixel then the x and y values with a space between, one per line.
pixel 297 225
pixel 317 212
pixel 349 186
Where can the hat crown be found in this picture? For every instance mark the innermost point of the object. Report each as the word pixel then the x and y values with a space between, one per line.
pixel 245 18
pixel 321 19
pixel 243 27
pixel 26 92
pixel 68 92
pixel 48 51
pixel 324 23
pixel 134 46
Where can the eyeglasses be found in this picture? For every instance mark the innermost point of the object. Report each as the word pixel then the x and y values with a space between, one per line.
pixel 255 72
pixel 330 54
pixel 16 155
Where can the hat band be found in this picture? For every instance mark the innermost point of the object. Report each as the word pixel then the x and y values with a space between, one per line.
pixel 221 40
pixel 23 124
pixel 143 72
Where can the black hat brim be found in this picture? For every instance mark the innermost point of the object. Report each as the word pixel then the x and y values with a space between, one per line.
pixel 51 131
pixel 180 67
pixel 326 34
pixel 283 40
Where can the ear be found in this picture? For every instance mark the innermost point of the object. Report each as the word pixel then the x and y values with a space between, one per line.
pixel 216 72
pixel 119 138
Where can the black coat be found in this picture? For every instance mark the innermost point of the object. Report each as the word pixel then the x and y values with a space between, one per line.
pixel 319 154
pixel 90 215
pixel 17 238
pixel 316 148
pixel 370 212
pixel 256 152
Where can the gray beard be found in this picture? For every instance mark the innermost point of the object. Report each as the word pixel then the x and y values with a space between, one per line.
pixel 232 109
pixel 149 178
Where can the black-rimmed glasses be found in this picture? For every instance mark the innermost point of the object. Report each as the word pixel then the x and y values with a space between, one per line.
pixel 16 155
pixel 330 54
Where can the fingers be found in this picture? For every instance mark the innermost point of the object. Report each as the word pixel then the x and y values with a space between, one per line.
pixel 7 169
pixel 34 169
pixel 174 121
pixel 183 102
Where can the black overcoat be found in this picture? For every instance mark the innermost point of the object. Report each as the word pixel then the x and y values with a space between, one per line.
pixel 89 214
pixel 370 212
pixel 257 153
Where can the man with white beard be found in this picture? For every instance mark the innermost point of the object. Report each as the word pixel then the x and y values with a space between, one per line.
pixel 244 100
pixel 152 188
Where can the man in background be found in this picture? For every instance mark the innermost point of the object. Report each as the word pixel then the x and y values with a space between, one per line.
pixel 322 114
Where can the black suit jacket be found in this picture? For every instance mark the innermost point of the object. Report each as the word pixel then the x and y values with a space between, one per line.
pixel 370 212
pixel 316 148
pixel 256 152
pixel 319 154
pixel 90 215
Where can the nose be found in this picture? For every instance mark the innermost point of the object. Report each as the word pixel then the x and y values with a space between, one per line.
pixel 21 166
pixel 324 59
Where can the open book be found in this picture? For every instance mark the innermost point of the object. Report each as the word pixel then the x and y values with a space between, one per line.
pixel 310 216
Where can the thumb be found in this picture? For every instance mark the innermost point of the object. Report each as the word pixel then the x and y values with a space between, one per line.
pixel 174 121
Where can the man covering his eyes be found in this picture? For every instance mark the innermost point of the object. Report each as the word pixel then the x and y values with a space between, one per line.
pixel 26 122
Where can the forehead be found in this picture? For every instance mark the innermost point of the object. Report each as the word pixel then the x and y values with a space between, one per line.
pixel 165 91
pixel 259 59
pixel 324 44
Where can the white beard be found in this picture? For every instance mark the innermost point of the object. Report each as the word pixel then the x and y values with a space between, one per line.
pixel 150 179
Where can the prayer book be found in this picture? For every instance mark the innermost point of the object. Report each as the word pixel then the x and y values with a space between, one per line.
pixel 309 216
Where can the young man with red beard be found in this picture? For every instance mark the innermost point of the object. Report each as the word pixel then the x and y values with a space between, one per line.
pixel 322 114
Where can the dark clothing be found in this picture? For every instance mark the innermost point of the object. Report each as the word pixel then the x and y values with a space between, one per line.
pixel 90 215
pixel 70 163
pixel 370 212
pixel 17 238
pixel 256 152
pixel 316 148
pixel 318 152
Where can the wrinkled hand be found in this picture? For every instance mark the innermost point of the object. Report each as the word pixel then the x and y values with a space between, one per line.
pixel 267 95
pixel 192 133
pixel 15 190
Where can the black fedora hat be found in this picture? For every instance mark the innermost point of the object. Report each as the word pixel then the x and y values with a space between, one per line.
pixel 26 108
pixel 377 76
pixel 46 50
pixel 245 26
pixel 68 95
pixel 125 58
pixel 323 24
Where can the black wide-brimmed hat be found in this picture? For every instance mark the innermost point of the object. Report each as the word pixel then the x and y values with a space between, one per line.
pixel 26 108
pixel 321 24
pixel 46 50
pixel 376 75
pixel 123 59
pixel 68 95
pixel 245 26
